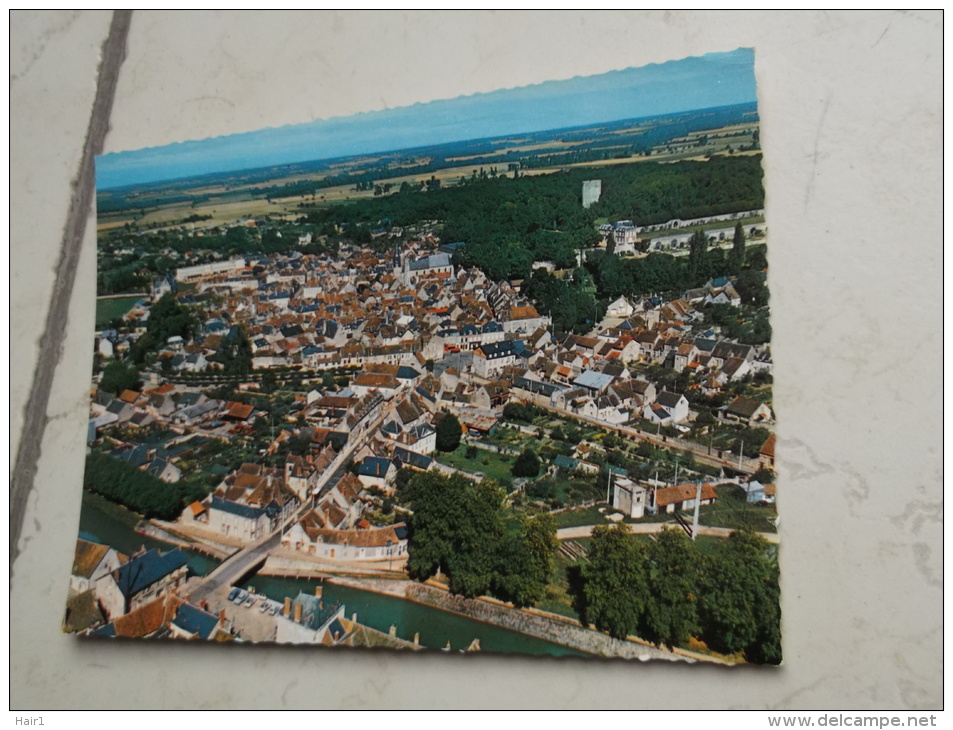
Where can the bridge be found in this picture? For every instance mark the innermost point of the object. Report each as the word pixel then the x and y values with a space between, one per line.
pixel 251 557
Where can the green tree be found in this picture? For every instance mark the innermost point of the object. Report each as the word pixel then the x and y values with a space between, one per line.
pixel 672 577
pixel 527 561
pixel 168 318
pixel 234 353
pixel 526 464
pixel 456 527
pixel 614 586
pixel 448 433
pixel 118 377
pixel 737 259
pixel 698 257
pixel 739 608
pixel 752 288
pixel 269 381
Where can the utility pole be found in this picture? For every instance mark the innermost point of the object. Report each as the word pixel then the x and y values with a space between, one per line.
pixel 741 452
pixel 698 502
pixel 609 488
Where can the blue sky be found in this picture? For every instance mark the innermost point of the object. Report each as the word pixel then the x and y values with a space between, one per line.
pixel 716 79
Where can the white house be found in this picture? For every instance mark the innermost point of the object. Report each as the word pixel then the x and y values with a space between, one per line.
pixel 629 498
pixel 250 503
pixel 668 408
pixel 144 578
pixel 683 497
pixel 490 359
pixel 620 308
pixel 380 543
pixel 92 561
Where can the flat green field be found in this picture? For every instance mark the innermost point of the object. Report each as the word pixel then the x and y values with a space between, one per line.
pixel 108 309
pixel 493 465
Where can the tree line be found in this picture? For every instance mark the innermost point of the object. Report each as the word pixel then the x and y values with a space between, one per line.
pixel 666 591
pixel 124 484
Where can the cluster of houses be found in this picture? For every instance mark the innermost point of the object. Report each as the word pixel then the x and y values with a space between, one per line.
pixel 112 594
pixel 422 337
pixel 183 409
pixel 331 312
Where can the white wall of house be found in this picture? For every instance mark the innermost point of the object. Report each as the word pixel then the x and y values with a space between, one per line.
pixel 237 526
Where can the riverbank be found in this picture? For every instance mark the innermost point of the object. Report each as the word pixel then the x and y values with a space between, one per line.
pixel 292 564
pixel 537 624
pixel 166 534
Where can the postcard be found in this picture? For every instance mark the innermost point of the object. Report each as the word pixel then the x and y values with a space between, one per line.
pixel 486 374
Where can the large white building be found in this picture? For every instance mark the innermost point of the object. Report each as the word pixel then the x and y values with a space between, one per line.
pixel 200 271
pixel 490 359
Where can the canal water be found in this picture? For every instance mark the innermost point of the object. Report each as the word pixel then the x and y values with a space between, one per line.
pixel 435 627
pixel 378 611
pixel 97 526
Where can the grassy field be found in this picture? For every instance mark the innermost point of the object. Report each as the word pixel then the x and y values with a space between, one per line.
pixel 490 464
pixel 108 309
pixel 580 517
pixel 732 511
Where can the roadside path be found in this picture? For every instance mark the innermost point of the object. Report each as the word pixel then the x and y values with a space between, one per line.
pixel 648 528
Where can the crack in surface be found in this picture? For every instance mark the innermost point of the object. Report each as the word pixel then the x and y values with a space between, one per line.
pixel 35 417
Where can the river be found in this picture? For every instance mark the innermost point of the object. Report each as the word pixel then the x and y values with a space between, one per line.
pixel 96 525
pixel 435 627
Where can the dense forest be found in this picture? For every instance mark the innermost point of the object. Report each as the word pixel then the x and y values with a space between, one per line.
pixel 509 223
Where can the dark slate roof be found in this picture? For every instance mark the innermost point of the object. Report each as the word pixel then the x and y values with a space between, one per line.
pixel 667 399
pixel 195 621
pixel 406 373
pixel 242 510
pixel 421 430
pixel 420 390
pixel 496 350
pixel 564 462
pixel 117 406
pixel 431 262
pixel 136 456
pixel 187 399
pixel 409 458
pixel 144 570
pixel 373 466
pixel 534 386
